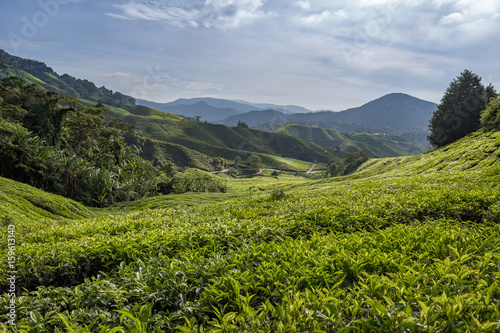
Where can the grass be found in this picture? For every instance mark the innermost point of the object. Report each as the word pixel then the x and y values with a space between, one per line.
pixel 405 244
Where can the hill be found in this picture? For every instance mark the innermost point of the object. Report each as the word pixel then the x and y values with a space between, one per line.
pixel 24 206
pixel 187 143
pixel 377 145
pixel 404 244
pixel 223 141
pixel 36 72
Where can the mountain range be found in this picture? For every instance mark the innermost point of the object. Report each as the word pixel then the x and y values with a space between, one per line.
pixel 194 143
pixel 396 111
pixel 216 109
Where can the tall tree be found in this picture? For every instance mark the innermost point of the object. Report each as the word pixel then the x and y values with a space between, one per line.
pixel 459 112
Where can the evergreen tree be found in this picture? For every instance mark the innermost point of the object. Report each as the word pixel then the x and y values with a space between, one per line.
pixel 459 112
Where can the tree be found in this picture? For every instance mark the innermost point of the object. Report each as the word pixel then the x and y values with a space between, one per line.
pixel 459 112
pixel 490 117
pixel 255 162
pixel 242 124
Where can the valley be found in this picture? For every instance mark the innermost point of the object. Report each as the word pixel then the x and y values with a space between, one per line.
pixel 118 217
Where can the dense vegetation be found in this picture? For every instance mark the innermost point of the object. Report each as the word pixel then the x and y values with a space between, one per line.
pixel 404 244
pixel 62 146
pixel 459 112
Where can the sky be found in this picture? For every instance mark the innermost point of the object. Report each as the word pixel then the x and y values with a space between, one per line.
pixel 323 55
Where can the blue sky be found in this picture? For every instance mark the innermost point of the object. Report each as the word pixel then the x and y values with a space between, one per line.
pixel 314 53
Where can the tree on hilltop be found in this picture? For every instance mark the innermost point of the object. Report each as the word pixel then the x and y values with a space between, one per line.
pixel 459 112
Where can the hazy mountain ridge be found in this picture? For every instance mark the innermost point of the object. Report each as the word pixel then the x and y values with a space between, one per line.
pixel 216 109
pixel 396 111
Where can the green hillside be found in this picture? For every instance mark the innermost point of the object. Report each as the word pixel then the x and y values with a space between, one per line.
pixel 26 206
pixel 219 140
pixel 405 244
pixel 377 146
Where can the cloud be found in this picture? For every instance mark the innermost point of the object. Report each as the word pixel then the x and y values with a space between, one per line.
pixel 304 5
pixel 156 11
pixel 211 13
pixel 325 16
pixel 453 18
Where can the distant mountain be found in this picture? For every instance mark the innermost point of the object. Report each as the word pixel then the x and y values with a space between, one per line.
pixel 398 111
pixel 209 109
pixel 394 111
pixel 216 109
pixel 286 109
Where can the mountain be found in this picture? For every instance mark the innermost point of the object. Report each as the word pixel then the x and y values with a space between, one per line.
pixel 398 111
pixel 395 111
pixel 377 145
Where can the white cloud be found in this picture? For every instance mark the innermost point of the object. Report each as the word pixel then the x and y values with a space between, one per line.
pixel 304 5
pixel 325 16
pixel 453 18
pixel 213 13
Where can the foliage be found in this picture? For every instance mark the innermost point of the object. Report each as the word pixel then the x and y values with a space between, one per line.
pixel 350 142
pixel 348 164
pixel 490 117
pixel 193 180
pixel 242 124
pixel 64 147
pixel 458 114
pixel 219 163
pixel 255 162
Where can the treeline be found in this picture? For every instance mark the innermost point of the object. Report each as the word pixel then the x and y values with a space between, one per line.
pixel 64 84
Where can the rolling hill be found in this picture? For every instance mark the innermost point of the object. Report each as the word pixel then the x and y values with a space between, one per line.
pixel 377 145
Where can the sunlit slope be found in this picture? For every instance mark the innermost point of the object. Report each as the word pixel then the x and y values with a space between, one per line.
pixel 21 204
pixel 476 152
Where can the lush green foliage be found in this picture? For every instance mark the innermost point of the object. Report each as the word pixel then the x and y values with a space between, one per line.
pixel 459 112
pixel 405 246
pixel 194 180
pixel 490 117
pixel 349 163
pixel 64 147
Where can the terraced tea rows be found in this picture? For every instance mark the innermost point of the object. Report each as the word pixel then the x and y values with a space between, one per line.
pixel 386 252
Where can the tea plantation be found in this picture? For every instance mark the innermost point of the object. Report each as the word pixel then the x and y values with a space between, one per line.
pixel 405 244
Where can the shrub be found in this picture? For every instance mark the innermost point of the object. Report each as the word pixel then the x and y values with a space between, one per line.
pixel 194 180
